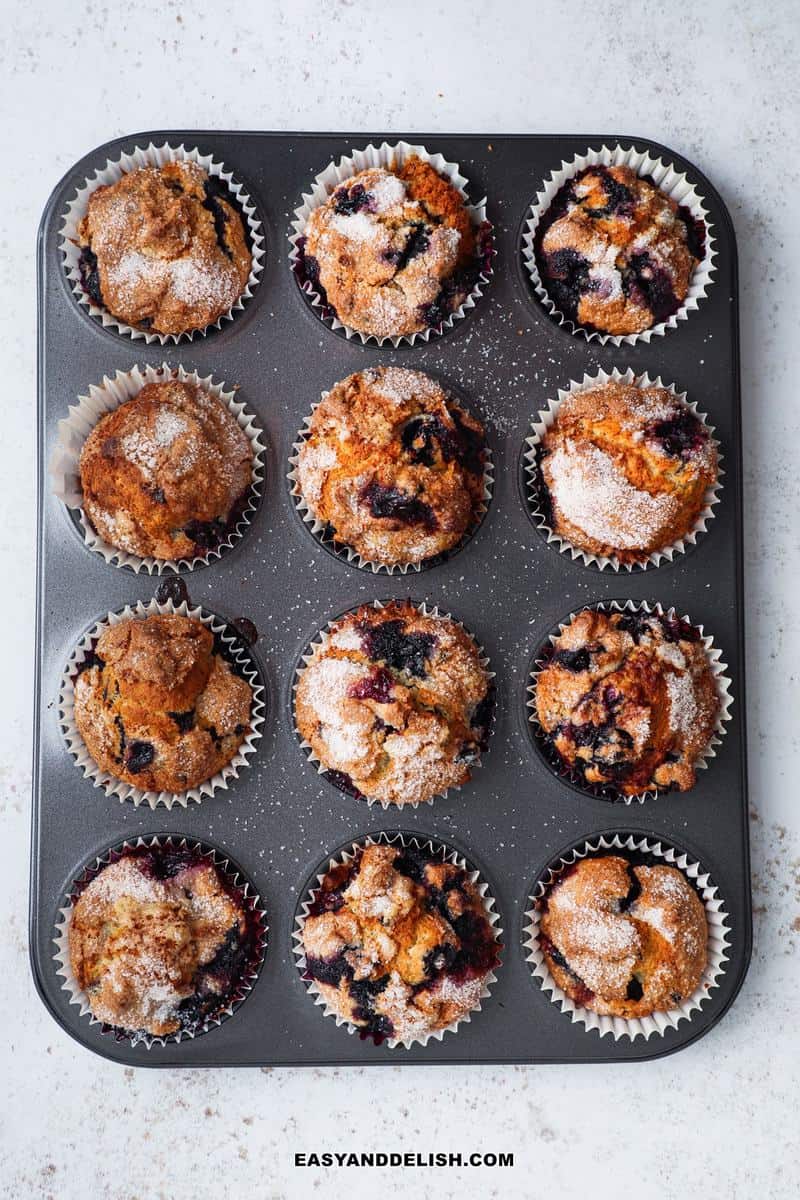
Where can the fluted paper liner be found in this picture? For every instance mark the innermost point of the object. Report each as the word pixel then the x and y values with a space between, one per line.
pixel 718 939
pixel 607 791
pixel 420 842
pixel 104 398
pixel 112 172
pixel 322 638
pixel 673 183
pixel 233 876
pixel 534 484
pixel 324 535
pixel 387 155
pixel 126 791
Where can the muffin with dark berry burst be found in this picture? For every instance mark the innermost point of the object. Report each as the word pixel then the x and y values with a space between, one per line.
pixel 167 474
pixel 393 250
pixel 624 471
pixel 158 705
pixel 395 704
pixel 616 254
pixel 398 942
pixel 624 938
pixel 160 941
pixel 164 249
pixel 626 702
pixel 392 467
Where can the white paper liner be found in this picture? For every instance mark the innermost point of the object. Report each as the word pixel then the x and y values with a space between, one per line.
pixel 718 668
pixel 674 184
pixel 718 940
pixel 155 156
pixel 385 155
pixel 78 997
pixel 546 419
pixel 420 842
pixel 126 791
pixel 322 637
pixel 322 532
pixel 103 398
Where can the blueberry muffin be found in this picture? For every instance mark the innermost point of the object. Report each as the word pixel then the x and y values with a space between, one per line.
pixel 624 470
pixel 398 942
pixel 615 254
pixel 167 474
pixel 157 704
pixel 159 941
pixel 392 251
pixel 395 705
pixel 164 249
pixel 624 940
pixel 626 702
pixel 392 466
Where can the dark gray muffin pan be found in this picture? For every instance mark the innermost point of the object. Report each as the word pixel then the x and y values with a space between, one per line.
pixel 280 820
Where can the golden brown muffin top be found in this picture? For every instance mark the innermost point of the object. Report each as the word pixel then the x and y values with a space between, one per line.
pixel 142 945
pixel 395 705
pixel 157 706
pixel 393 466
pixel 167 249
pixel 164 473
pixel 626 470
pixel 398 942
pixel 384 243
pixel 627 701
pixel 622 939
pixel 615 253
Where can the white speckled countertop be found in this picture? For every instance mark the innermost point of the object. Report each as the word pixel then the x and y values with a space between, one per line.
pixel 719 83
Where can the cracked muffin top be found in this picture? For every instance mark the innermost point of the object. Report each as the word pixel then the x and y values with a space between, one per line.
pixel 615 254
pixel 625 470
pixel 159 940
pixel 398 942
pixel 622 939
pixel 626 702
pixel 157 704
pixel 395 705
pixel 392 251
pixel 164 249
pixel 393 466
pixel 167 473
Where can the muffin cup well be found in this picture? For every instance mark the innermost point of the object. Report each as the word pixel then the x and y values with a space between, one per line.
pixel 321 639
pixel 112 786
pixel 607 791
pixel 104 398
pixel 235 879
pixel 670 181
pixel 420 842
pixel 718 937
pixel 323 533
pixel 534 485
pixel 386 155
pixel 155 156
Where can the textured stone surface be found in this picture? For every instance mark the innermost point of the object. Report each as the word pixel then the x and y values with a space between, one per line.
pixel 718 83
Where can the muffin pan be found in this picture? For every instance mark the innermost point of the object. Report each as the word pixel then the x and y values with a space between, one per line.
pixel 279 819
